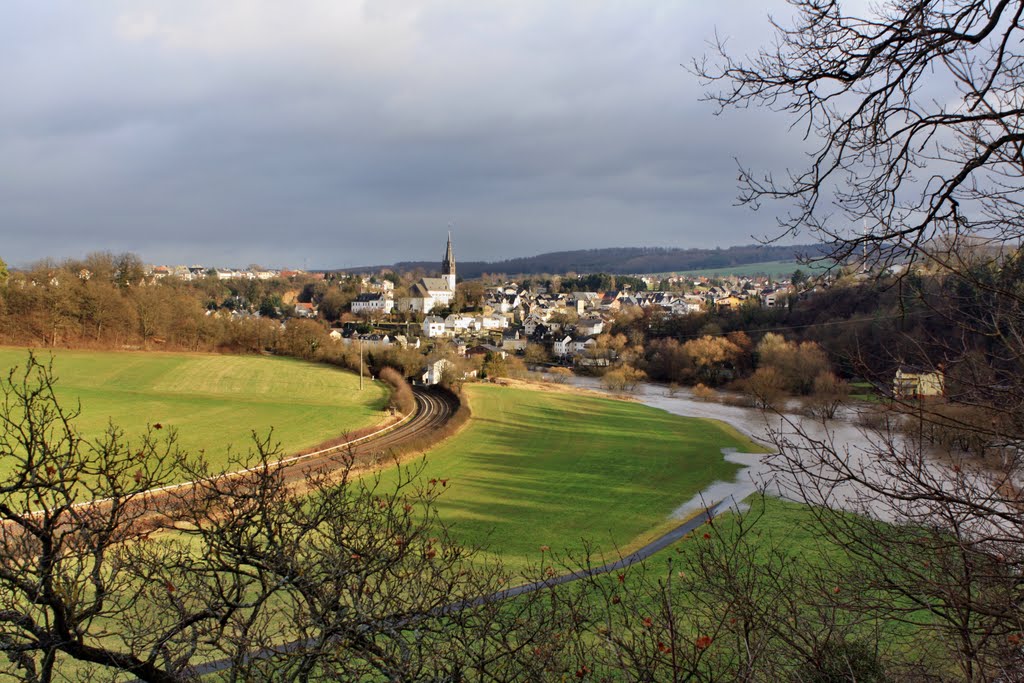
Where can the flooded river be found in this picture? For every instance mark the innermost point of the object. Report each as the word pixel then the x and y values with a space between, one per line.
pixel 766 427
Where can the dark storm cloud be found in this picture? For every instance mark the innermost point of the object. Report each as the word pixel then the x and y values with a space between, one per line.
pixel 338 133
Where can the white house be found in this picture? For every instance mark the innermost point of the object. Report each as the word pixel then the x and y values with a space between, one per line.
pixel 433 372
pixel 503 302
pixel 433 326
pixel 457 323
pixel 690 303
pixel 562 346
pixel 582 344
pixel 403 342
pixel 373 341
pixel 491 322
pixel 372 302
pixel 590 326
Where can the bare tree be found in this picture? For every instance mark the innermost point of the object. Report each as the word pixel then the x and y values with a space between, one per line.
pixel 77 578
pixel 915 109
pixel 108 567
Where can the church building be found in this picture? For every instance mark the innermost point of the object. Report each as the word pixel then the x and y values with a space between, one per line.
pixel 433 292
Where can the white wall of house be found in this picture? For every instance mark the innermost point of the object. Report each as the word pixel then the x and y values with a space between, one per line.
pixel 434 326
pixel 561 347
pixel 435 370
pixel 383 304
pixel 368 343
pixel 492 322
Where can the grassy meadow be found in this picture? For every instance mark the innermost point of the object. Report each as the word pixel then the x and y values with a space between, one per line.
pixel 213 401
pixel 537 468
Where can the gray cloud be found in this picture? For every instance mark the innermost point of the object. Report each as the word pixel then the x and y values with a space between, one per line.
pixel 325 133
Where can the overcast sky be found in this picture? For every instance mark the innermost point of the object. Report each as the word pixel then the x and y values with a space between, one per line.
pixel 329 133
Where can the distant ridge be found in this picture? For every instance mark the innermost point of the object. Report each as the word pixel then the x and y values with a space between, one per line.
pixel 617 260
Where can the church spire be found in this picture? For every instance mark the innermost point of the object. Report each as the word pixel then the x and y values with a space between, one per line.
pixel 448 265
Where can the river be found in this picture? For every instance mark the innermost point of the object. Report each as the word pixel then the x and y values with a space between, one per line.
pixel 757 473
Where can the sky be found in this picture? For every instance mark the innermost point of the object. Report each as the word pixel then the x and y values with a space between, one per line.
pixel 334 133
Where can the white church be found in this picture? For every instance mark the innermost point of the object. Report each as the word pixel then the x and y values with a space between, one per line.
pixel 432 292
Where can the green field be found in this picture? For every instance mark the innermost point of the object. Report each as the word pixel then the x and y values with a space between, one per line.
pixel 537 468
pixel 213 401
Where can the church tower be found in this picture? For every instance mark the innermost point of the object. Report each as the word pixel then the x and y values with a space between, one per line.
pixel 448 265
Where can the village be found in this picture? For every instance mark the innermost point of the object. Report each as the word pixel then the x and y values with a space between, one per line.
pixel 528 319
pixel 439 329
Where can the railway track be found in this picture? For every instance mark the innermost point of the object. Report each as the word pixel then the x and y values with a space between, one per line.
pixel 433 409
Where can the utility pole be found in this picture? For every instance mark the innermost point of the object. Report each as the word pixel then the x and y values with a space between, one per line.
pixel 360 363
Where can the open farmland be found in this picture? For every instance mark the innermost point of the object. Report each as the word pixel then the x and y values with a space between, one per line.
pixel 537 468
pixel 213 401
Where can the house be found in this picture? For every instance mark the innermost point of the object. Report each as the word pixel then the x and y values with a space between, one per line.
pixel 729 301
pixel 456 323
pixel 373 341
pixel 582 344
pixel 305 310
pixel 458 345
pixel 372 302
pixel 531 323
pixel 433 326
pixel 540 333
pixel 491 322
pixel 562 346
pixel 590 326
pixel 915 383
pixel 403 342
pixel 610 301
pixel 435 370
pixel 581 301
pixel 504 303
pixel 512 340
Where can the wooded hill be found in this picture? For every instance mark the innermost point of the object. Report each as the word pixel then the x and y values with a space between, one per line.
pixel 617 260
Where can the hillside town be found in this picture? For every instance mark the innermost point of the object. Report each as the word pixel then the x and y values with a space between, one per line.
pixel 564 321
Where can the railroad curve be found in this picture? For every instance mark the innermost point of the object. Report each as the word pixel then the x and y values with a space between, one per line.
pixel 434 408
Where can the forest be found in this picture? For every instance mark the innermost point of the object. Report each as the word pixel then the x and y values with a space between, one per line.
pixel 621 260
